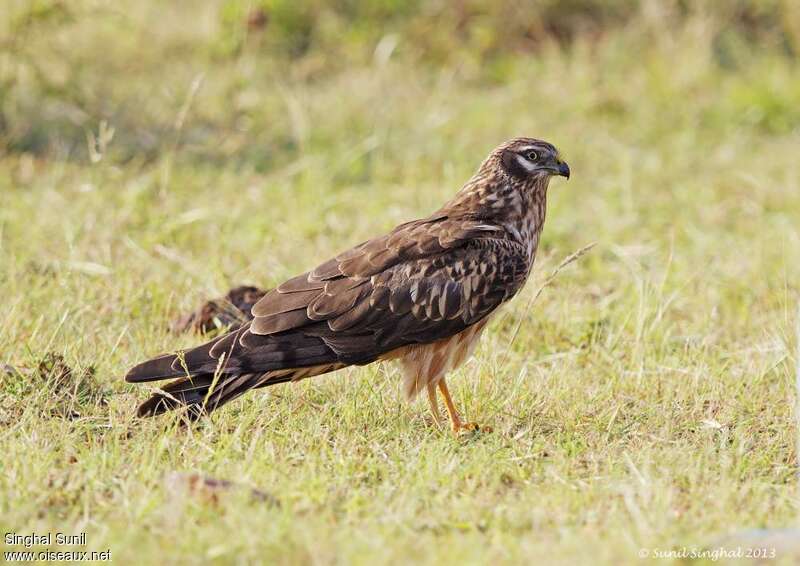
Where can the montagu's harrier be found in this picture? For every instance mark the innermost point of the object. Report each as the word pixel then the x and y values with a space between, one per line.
pixel 421 295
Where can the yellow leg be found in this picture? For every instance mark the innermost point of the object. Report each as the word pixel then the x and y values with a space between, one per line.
pixel 455 420
pixel 437 416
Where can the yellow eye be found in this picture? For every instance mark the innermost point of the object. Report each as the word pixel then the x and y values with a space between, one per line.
pixel 532 156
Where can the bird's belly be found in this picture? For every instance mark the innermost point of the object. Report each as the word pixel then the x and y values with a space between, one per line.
pixel 424 364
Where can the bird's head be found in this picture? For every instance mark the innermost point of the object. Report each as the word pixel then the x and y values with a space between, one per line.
pixel 528 159
pixel 515 174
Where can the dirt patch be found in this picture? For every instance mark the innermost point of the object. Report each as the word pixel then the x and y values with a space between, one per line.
pixel 185 485
pixel 65 392
pixel 231 310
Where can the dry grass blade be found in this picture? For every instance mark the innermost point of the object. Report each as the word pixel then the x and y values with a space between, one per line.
pixel 571 258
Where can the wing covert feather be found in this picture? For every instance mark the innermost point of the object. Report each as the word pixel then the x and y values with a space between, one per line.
pixel 423 281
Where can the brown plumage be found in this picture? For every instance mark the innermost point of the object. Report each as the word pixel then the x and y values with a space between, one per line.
pixel 420 294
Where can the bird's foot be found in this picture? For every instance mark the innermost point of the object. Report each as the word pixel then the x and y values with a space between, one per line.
pixel 472 427
pixel 455 420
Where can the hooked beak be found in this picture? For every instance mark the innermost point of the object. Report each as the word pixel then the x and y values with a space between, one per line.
pixel 562 168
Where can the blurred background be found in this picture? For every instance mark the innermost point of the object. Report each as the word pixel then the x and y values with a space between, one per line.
pixel 256 82
pixel 680 120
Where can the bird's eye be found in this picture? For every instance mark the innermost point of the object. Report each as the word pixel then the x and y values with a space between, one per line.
pixel 532 156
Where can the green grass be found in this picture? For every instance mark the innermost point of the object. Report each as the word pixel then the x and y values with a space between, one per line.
pixel 647 400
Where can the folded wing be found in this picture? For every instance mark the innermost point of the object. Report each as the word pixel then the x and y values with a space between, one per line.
pixel 424 281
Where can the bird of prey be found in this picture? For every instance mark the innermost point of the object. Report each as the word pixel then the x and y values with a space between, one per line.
pixel 421 294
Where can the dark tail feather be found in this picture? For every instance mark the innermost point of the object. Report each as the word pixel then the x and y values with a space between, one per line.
pixel 188 392
pixel 193 393
pixel 196 361
pixel 153 370
pixel 237 369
